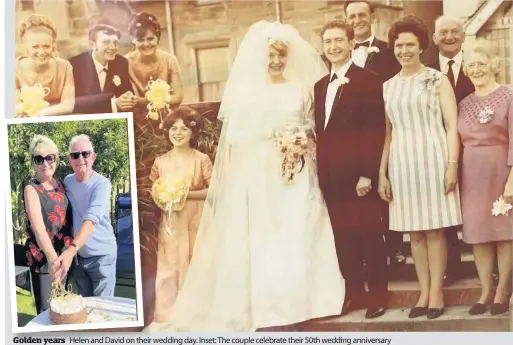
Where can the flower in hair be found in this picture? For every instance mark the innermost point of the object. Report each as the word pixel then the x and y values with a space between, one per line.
pixel 193 123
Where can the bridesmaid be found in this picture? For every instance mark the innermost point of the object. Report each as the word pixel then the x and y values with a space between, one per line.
pixel 182 161
pixel 39 64
pixel 486 128
pixel 147 61
pixel 420 157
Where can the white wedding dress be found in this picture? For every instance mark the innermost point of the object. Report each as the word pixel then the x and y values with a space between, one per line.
pixel 265 253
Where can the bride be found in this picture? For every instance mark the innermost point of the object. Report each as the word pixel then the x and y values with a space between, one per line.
pixel 265 253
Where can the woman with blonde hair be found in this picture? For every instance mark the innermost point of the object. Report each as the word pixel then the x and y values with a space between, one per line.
pixel 48 215
pixel 40 65
pixel 485 124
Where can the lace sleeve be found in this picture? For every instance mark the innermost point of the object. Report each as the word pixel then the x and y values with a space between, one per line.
pixel 308 109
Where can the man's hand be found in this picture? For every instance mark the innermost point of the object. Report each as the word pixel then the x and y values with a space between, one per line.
pixel 62 264
pixel 126 101
pixel 363 186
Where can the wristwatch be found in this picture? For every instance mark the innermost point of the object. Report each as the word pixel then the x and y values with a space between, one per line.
pixel 75 245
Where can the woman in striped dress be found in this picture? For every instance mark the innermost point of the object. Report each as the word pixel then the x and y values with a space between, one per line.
pixel 418 173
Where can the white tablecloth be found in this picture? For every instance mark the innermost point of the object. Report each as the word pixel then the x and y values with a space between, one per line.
pixel 100 309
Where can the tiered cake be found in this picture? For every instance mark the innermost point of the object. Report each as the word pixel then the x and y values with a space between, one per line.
pixel 66 307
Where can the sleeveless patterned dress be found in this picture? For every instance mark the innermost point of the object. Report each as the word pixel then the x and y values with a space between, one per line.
pixel 56 211
pixel 418 155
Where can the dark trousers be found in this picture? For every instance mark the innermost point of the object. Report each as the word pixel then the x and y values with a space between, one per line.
pixel 394 239
pixel 355 246
pixel 453 251
pixel 42 287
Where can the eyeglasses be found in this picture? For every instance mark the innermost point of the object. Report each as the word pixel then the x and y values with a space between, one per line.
pixel 38 160
pixel 75 155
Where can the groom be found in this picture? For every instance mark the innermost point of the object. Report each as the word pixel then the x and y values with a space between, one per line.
pixel 102 81
pixel 350 124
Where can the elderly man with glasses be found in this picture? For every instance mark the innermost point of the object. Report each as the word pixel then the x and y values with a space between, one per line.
pixel 94 243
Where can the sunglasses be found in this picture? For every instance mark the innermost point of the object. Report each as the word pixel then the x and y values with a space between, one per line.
pixel 38 160
pixel 75 155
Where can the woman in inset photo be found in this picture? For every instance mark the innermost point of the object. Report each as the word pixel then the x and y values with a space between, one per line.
pixel 49 222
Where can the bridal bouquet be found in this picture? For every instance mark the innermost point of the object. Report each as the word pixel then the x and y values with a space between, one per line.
pixel 30 100
pixel 294 141
pixel 158 97
pixel 500 207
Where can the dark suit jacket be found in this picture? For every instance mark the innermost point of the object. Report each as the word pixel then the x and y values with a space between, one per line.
pixel 89 98
pixel 384 62
pixel 350 147
pixel 464 86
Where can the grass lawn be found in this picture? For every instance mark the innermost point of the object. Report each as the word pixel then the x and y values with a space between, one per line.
pixel 26 307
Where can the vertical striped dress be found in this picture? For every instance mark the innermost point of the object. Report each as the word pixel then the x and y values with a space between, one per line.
pixel 418 155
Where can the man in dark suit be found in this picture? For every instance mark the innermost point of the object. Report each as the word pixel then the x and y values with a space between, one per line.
pixel 374 54
pixel 449 37
pixel 102 82
pixel 350 125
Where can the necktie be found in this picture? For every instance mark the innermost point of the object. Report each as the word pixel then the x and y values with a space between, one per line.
pixel 333 77
pixel 450 73
pixel 363 44
pixel 102 76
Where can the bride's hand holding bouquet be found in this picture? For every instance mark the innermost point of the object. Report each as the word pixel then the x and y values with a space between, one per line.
pixel 295 141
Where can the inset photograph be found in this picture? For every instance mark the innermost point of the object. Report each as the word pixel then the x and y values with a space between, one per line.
pixel 74 248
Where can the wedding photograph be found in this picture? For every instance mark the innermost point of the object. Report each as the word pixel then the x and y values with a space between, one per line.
pixel 302 166
pixel 74 244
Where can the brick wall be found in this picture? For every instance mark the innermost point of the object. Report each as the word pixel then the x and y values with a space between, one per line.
pixel 195 26
pixel 498 30
pixel 226 23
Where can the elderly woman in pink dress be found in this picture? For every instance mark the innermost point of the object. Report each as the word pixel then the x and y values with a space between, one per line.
pixel 485 125
pixel 39 65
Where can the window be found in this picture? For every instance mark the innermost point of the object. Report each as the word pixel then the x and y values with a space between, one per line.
pixel 207 2
pixel 213 64
pixel 26 5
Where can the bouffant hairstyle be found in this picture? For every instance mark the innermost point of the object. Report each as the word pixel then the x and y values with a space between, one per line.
pixel 190 118
pixel 409 24
pixel 485 47
pixel 369 4
pixel 37 22
pixel 141 22
pixel 40 143
pixel 281 47
pixel 339 24
pixel 107 29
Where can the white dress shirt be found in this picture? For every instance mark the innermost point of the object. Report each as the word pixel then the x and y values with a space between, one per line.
pixel 101 72
pixel 444 65
pixel 331 92
pixel 359 56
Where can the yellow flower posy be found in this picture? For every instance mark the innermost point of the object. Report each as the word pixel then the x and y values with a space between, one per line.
pixel 158 96
pixel 30 100
pixel 170 194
